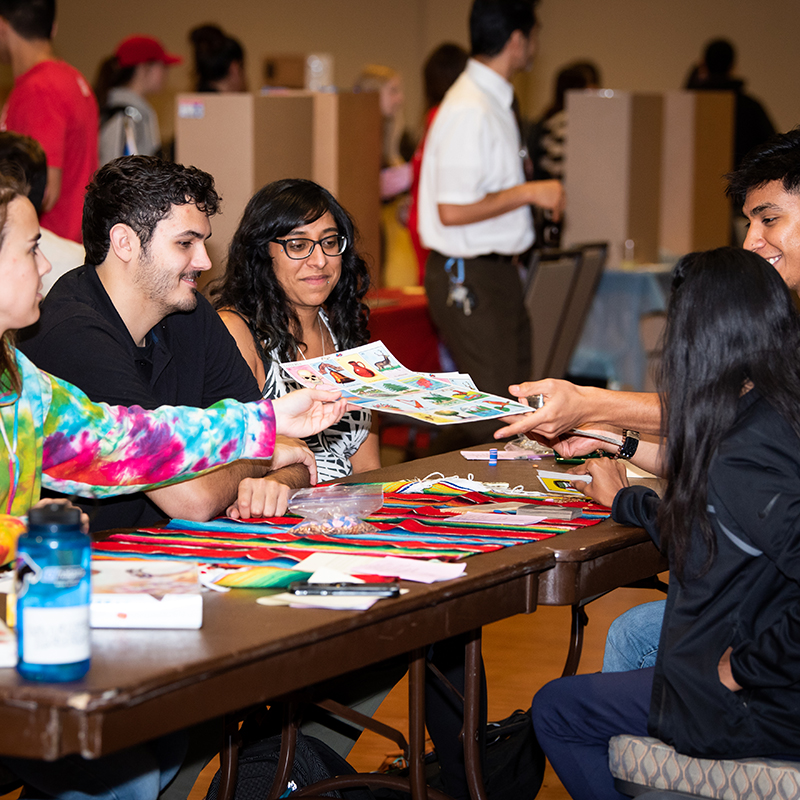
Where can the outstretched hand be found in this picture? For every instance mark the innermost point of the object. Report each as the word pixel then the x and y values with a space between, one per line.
pixel 307 411
pixel 562 410
pixel 608 477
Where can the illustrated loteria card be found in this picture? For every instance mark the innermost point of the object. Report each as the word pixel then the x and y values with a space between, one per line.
pixel 371 377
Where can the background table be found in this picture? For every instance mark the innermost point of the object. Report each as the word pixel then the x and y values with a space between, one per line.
pixel 610 348
pixel 400 319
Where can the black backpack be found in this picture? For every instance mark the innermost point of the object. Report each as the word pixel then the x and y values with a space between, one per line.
pixel 515 760
pixel 313 761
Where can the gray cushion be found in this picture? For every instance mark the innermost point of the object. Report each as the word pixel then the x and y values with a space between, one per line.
pixel 649 762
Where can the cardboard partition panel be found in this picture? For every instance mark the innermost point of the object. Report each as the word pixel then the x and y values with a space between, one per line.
pixel 246 141
pixel 347 161
pixel 697 152
pixel 612 173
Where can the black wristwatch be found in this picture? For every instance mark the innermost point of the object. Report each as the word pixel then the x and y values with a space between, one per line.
pixel 629 444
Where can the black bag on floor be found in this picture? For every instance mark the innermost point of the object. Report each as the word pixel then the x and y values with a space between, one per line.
pixel 313 761
pixel 515 762
pixel 514 758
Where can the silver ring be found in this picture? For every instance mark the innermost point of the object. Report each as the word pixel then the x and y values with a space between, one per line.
pixel 536 401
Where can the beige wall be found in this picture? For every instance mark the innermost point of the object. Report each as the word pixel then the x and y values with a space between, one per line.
pixel 651 44
pixel 640 44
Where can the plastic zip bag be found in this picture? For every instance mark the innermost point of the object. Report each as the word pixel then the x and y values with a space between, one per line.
pixel 336 509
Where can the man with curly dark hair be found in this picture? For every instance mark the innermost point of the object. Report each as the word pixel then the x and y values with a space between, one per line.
pixel 130 328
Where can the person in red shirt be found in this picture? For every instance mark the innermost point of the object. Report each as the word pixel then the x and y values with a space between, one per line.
pixel 51 102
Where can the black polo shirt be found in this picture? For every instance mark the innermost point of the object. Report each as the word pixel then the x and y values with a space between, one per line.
pixel 189 359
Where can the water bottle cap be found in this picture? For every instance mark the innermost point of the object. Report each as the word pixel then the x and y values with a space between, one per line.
pixel 54 514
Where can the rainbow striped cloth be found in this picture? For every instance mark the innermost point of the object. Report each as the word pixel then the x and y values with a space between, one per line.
pixel 417 520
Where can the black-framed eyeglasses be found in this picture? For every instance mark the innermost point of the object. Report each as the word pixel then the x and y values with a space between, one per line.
pixel 298 249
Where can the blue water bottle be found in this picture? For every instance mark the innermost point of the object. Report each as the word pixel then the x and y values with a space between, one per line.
pixel 53 586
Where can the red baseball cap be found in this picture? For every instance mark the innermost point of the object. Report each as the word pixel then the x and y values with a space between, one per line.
pixel 140 49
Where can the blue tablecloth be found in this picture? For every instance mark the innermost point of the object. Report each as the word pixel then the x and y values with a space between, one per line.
pixel 610 347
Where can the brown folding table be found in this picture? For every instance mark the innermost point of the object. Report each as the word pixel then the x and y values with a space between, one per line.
pixel 146 683
pixel 590 562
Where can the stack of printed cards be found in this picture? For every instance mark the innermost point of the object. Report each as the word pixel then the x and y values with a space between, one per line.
pixel 8 646
pixel 145 594
pixel 370 376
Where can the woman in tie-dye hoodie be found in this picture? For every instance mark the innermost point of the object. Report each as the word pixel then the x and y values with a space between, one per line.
pixel 53 435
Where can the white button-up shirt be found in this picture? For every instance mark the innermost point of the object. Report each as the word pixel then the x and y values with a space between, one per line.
pixel 473 149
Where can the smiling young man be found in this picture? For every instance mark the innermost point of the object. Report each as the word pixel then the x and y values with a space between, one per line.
pixel 130 328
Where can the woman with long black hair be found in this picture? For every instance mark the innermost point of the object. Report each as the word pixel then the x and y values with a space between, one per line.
pixel 725 683
pixel 293 289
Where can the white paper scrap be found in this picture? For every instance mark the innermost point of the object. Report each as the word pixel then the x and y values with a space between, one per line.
pixel 350 565
pixel 415 569
pixel 328 575
pixel 501 520
pixel 337 602
pixel 407 569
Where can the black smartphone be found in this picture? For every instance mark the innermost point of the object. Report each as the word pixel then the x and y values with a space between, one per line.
pixel 344 589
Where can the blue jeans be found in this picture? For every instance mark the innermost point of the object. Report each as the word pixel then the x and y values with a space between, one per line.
pixel 137 773
pixel 575 717
pixel 632 640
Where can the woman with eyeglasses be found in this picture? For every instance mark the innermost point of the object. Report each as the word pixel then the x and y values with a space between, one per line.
pixel 292 290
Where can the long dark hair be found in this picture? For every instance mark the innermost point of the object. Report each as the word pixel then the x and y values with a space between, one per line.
pixel 12 185
pixel 111 75
pixel 214 52
pixel 250 286
pixel 731 321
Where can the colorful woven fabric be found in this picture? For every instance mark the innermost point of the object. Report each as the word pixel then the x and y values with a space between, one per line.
pixel 419 524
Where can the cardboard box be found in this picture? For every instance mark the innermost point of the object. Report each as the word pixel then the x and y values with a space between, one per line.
pixel 246 141
pixel 613 173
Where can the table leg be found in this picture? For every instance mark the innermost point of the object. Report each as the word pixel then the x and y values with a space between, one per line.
pixel 472 717
pixel 416 724
pixel 288 743
pixel 229 758
pixel 579 620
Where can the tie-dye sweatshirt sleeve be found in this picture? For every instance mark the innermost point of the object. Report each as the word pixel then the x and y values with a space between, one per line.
pixel 97 450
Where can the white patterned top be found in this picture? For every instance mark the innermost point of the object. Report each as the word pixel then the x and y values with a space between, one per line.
pixel 334 446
